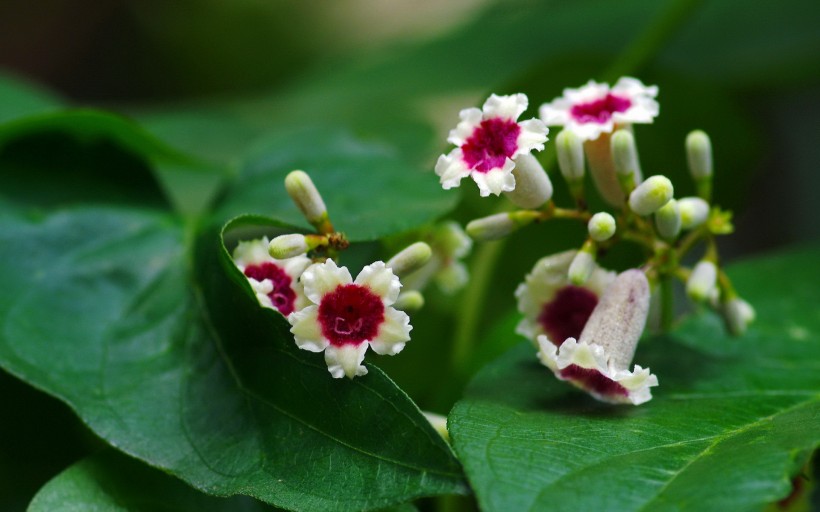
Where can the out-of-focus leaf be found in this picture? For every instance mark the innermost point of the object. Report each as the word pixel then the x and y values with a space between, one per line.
pixel 728 426
pixel 18 98
pixel 370 190
pixel 111 482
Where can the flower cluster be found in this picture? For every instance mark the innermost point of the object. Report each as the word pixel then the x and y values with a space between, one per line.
pixel 585 321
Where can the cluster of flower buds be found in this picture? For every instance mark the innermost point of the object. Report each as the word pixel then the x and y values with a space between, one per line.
pixel 585 320
pixel 298 276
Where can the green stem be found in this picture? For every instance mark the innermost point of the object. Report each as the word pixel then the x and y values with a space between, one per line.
pixel 667 303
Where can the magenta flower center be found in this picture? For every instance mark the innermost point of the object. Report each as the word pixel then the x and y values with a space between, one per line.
pixel 491 144
pixel 567 313
pixel 599 111
pixel 593 380
pixel 350 314
pixel 283 297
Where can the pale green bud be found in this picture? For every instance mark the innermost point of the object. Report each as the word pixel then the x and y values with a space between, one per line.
pixel 625 155
pixel 601 226
pixel 439 423
pixel 738 314
pixel 693 212
pixel 451 278
pixel 411 300
pixel 499 225
pixel 582 266
pixel 651 195
pixel 288 246
pixel 699 154
pixel 570 151
pixel 702 281
pixel 303 192
pixel 411 258
pixel 533 187
pixel 668 221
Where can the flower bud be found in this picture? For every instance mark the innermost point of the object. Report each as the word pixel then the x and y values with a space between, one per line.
pixel 582 265
pixel 451 278
pixel 288 246
pixel 693 212
pixel 625 155
pixel 738 314
pixel 599 159
pixel 702 281
pixel 699 155
pixel 499 225
pixel 668 221
pixel 439 423
pixel 533 187
pixel 601 226
pixel 411 300
pixel 570 150
pixel 411 258
pixel 651 195
pixel 303 192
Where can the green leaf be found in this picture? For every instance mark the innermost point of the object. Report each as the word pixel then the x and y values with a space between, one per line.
pixel 98 310
pixel 369 188
pixel 111 482
pixel 730 421
pixel 18 98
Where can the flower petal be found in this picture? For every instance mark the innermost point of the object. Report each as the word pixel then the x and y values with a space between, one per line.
pixel 252 252
pixel 532 137
pixel 321 278
pixel 470 120
pixel 346 361
pixel 262 289
pixel 495 181
pixel 381 281
pixel 306 329
pixel 505 107
pixel 452 169
pixel 393 333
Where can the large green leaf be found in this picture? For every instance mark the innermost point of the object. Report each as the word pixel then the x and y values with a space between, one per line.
pixel 97 309
pixel 730 422
pixel 111 482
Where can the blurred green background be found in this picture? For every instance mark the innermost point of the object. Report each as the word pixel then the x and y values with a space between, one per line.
pixel 209 77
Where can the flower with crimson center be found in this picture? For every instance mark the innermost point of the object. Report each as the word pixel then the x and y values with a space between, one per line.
pixel 275 282
pixel 554 307
pixel 348 316
pixel 489 140
pixel 596 108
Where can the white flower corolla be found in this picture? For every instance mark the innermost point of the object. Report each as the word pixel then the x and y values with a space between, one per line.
pixel 596 108
pixel 349 316
pixel 553 306
pixel 489 140
pixel 274 281
pixel 599 361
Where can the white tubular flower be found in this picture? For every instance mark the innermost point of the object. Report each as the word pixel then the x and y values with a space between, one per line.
pixel 599 362
pixel 570 152
pixel 348 316
pixel 651 195
pixel 533 187
pixel 596 108
pixel 693 212
pixel 702 280
pixel 601 226
pixel 275 281
pixel 553 306
pixel 625 155
pixel 489 141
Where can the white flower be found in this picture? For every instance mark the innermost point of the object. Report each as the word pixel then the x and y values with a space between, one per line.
pixel 488 142
pixel 599 362
pixel 275 282
pixel 346 316
pixel 553 306
pixel 596 108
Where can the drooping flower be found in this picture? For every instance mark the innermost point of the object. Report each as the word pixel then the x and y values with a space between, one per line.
pixel 489 140
pixel 553 306
pixel 599 361
pixel 348 316
pixel 275 282
pixel 596 108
